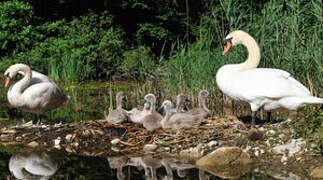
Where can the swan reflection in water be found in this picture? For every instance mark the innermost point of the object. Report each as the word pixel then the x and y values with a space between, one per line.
pixel 34 164
pixel 151 164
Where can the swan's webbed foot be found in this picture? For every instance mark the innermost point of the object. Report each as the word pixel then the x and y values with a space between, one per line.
pixel 253 119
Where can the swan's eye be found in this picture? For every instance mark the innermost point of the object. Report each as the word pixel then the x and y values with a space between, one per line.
pixel 227 40
pixel 7 75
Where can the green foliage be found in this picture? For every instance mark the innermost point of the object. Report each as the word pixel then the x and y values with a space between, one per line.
pixel 310 126
pixel 288 40
pixel 16 27
pixel 138 63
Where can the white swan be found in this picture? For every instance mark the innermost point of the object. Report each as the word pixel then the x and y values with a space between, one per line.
pixel 35 92
pixel 118 115
pixel 270 89
pixel 26 165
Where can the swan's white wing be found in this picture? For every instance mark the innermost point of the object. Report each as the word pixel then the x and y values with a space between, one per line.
pixel 267 83
pixel 37 77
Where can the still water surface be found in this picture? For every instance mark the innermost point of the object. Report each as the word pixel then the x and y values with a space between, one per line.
pixel 38 164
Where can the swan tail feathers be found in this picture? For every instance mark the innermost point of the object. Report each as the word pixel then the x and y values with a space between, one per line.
pixel 313 100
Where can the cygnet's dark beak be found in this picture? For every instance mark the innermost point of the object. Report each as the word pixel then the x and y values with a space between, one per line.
pixel 160 110
pixel 144 102
pixel 187 100
pixel 210 96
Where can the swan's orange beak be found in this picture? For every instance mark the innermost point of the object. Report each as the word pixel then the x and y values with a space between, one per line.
pixel 228 45
pixel 6 82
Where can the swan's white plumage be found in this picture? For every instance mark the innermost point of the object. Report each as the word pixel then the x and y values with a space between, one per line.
pixel 260 87
pixel 35 92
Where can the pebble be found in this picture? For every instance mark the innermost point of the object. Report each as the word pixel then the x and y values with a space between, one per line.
pixel 115 142
pixel 271 132
pixel 150 147
pixel 5 137
pixel 115 149
pixel 262 129
pixel 19 138
pixel 212 143
pixel 57 141
pixel 33 144
pixel 10 131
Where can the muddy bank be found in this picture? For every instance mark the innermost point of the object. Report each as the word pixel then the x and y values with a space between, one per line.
pixel 271 145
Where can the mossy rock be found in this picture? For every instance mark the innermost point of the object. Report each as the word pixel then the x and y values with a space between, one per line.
pixel 317 172
pixel 226 162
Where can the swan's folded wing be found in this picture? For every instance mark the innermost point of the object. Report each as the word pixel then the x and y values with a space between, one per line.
pixel 269 83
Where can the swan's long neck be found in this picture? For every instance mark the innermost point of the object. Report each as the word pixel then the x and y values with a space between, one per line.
pixel 179 105
pixel 21 85
pixel 152 106
pixel 119 105
pixel 164 121
pixel 202 104
pixel 253 52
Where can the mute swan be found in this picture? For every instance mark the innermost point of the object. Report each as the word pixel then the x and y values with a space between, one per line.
pixel 28 165
pixel 202 110
pixel 180 102
pixel 267 88
pixel 118 163
pixel 118 115
pixel 149 163
pixel 136 115
pixel 179 120
pixel 35 92
pixel 152 120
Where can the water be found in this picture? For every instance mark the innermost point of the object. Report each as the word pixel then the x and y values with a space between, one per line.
pixel 42 164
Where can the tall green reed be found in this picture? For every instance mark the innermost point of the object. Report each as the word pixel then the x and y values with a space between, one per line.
pixel 69 69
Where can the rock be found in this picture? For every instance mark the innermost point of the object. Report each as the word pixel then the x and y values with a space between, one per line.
pixel 317 172
pixel 6 137
pixel 192 153
pixel 115 149
pixel 68 149
pixel 33 144
pixel 10 131
pixel 150 147
pixel 19 138
pixel 281 136
pixel 225 156
pixel 212 143
pixel 226 162
pixel 271 132
pixel 284 159
pixel 115 142
pixel 69 137
pixel 291 148
pixel 57 141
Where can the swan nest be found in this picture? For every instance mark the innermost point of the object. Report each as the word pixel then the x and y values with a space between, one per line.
pixel 94 137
